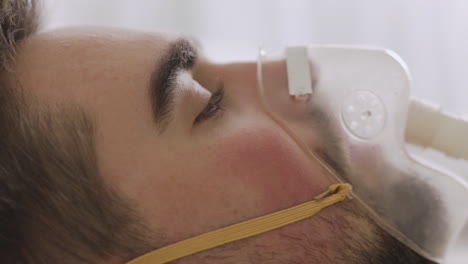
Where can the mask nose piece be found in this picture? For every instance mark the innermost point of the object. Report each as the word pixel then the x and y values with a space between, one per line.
pixel 298 69
pixel 285 82
pixel 301 97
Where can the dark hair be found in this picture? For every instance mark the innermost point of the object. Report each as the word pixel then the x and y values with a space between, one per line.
pixel 54 206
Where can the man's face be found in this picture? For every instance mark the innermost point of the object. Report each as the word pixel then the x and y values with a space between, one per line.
pixel 190 168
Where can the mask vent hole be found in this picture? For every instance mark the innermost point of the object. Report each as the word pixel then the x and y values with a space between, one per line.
pixel 366 115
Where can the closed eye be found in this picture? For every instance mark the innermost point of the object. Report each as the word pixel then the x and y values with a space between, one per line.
pixel 213 107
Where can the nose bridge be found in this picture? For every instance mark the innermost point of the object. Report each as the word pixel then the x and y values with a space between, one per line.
pixel 239 77
pixel 242 77
pixel 241 80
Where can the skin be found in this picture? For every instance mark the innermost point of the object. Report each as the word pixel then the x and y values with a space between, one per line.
pixel 191 178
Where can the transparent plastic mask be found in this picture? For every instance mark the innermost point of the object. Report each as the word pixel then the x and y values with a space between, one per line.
pixel 358 106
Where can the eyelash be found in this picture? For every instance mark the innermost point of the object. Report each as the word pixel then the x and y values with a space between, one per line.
pixel 213 107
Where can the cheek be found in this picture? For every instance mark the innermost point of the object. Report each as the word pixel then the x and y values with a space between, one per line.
pixel 272 166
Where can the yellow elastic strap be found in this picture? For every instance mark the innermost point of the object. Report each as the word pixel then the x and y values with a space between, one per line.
pixel 334 194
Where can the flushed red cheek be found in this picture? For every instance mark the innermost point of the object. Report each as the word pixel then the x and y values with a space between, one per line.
pixel 273 166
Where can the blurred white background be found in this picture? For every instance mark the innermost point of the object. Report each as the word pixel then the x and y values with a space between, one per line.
pixel 430 35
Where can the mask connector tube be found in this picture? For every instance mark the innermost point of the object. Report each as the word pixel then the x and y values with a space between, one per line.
pixel 428 126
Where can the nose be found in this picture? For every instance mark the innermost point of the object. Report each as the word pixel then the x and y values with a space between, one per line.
pixel 238 79
pixel 241 82
pixel 301 117
pixel 299 114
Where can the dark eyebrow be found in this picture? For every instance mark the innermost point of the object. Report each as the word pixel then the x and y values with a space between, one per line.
pixel 182 55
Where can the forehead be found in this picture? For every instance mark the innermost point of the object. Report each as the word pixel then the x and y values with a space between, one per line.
pixel 104 71
pixel 70 61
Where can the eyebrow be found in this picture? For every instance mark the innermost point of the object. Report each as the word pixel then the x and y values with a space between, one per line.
pixel 182 55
